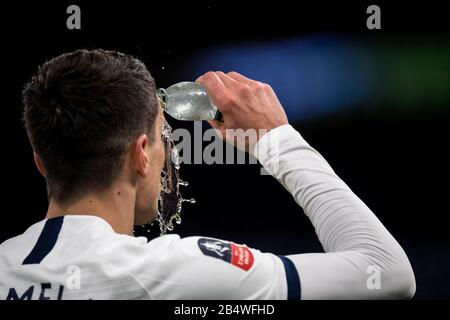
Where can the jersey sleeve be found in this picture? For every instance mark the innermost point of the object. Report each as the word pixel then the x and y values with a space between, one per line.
pixel 362 260
pixel 209 268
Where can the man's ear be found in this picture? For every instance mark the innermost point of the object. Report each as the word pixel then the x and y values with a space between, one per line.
pixel 37 161
pixel 142 160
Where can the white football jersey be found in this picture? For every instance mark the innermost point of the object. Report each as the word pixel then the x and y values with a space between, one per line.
pixel 81 257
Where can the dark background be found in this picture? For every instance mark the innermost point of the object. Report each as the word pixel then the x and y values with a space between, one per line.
pixel 396 163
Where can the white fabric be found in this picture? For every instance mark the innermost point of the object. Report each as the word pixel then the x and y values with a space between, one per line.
pixel 357 245
pixel 114 266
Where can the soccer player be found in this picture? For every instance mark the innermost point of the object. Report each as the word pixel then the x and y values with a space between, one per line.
pixel 94 122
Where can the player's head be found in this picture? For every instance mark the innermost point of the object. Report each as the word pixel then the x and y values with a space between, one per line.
pixel 93 119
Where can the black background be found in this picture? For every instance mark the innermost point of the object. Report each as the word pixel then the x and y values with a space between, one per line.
pixel 396 164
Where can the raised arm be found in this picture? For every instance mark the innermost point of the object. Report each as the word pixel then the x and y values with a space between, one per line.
pixel 362 260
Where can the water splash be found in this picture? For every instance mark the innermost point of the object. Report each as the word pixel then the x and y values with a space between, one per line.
pixel 170 200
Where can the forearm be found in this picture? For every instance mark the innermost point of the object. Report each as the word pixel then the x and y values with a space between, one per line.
pixel 352 236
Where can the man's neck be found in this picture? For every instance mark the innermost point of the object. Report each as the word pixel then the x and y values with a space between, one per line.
pixel 116 206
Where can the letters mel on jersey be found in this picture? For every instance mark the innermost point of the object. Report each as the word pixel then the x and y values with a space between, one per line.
pixel 44 291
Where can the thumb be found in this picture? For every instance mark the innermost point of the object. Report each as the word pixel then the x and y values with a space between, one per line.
pixel 219 127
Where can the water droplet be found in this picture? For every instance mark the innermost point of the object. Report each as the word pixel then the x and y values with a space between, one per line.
pixel 192 200
pixel 183 183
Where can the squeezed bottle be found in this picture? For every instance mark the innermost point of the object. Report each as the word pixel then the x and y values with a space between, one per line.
pixel 188 101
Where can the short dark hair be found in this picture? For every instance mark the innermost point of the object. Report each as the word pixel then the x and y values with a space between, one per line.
pixel 81 111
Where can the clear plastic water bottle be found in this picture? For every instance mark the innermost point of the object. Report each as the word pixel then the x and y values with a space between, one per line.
pixel 188 101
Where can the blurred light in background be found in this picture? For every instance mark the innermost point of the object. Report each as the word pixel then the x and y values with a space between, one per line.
pixel 319 75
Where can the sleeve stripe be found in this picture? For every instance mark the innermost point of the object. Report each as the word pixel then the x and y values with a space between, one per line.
pixel 293 280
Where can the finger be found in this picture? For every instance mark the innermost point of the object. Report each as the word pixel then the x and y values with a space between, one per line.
pixel 240 78
pixel 218 126
pixel 214 86
pixel 228 81
pixel 210 80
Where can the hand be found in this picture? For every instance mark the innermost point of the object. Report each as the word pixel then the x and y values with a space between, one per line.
pixel 245 104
